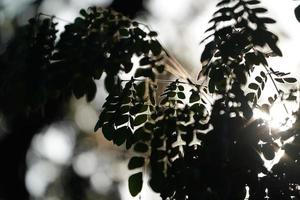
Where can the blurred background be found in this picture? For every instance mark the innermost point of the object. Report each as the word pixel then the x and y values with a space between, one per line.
pixel 65 159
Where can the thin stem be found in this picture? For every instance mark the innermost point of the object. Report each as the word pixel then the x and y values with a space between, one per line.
pixel 53 16
pixel 276 89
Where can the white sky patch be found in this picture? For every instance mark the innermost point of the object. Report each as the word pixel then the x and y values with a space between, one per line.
pixel 170 9
pixel 288 30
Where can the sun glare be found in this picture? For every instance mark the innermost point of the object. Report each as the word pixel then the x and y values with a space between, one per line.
pixel 280 117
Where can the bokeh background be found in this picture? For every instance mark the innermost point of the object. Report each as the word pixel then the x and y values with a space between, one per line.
pixel 66 159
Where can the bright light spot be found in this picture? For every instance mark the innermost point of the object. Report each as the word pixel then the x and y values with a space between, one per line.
pixel 39 176
pixel 85 117
pixel 172 8
pixel 56 143
pixel 260 175
pixel 85 164
pixel 101 182
pixel 278 118
pixel 247 192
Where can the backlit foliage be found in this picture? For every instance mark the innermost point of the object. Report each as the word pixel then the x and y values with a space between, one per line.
pixel 197 141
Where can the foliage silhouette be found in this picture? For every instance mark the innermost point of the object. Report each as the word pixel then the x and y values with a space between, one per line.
pixel 203 151
pixel 200 141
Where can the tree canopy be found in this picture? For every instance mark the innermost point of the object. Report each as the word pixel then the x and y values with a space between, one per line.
pixel 198 138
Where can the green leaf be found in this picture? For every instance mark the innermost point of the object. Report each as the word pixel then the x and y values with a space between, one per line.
pixel 140 120
pixel 208 52
pixel 145 61
pixel 194 97
pixel 280 80
pixel 211 86
pixel 263 74
pixel 141 147
pixel 83 12
pixel 146 72
pixel 139 32
pixel 135 183
pixel 181 88
pixel 181 95
pixel 253 86
pixel 91 90
pixel 259 10
pixel 252 2
pixel 160 68
pixel 124 32
pixel 290 80
pixel 122 119
pixel 297 13
pixel 152 34
pixel 136 162
pixel 108 131
pixel 155 47
pixel 97 126
pixel 121 135
pixel 141 135
pixel 267 20
pixel 268 151
pixel 258 79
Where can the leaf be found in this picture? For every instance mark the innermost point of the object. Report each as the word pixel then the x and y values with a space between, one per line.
pixel 290 80
pixel 280 80
pixel 252 2
pixel 181 95
pixel 91 90
pixel 223 2
pixel 160 68
pixel 135 183
pixel 108 131
pixel 208 52
pixel 109 83
pixel 266 20
pixel 139 32
pixel 221 18
pixel 155 47
pixel 152 34
pixel 297 13
pixel 251 97
pixel 194 97
pixel 79 87
pixel 253 86
pixel 140 119
pixel 136 162
pixel 141 147
pixel 181 88
pixel 124 32
pixel 263 74
pixel 122 119
pixel 121 135
pixel 145 61
pixel 211 86
pixel 83 12
pixel 223 10
pixel 268 151
pixel 146 72
pixel 274 48
pixel 259 10
pixel 258 79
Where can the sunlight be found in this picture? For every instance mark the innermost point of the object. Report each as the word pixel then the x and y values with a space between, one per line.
pixel 278 119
